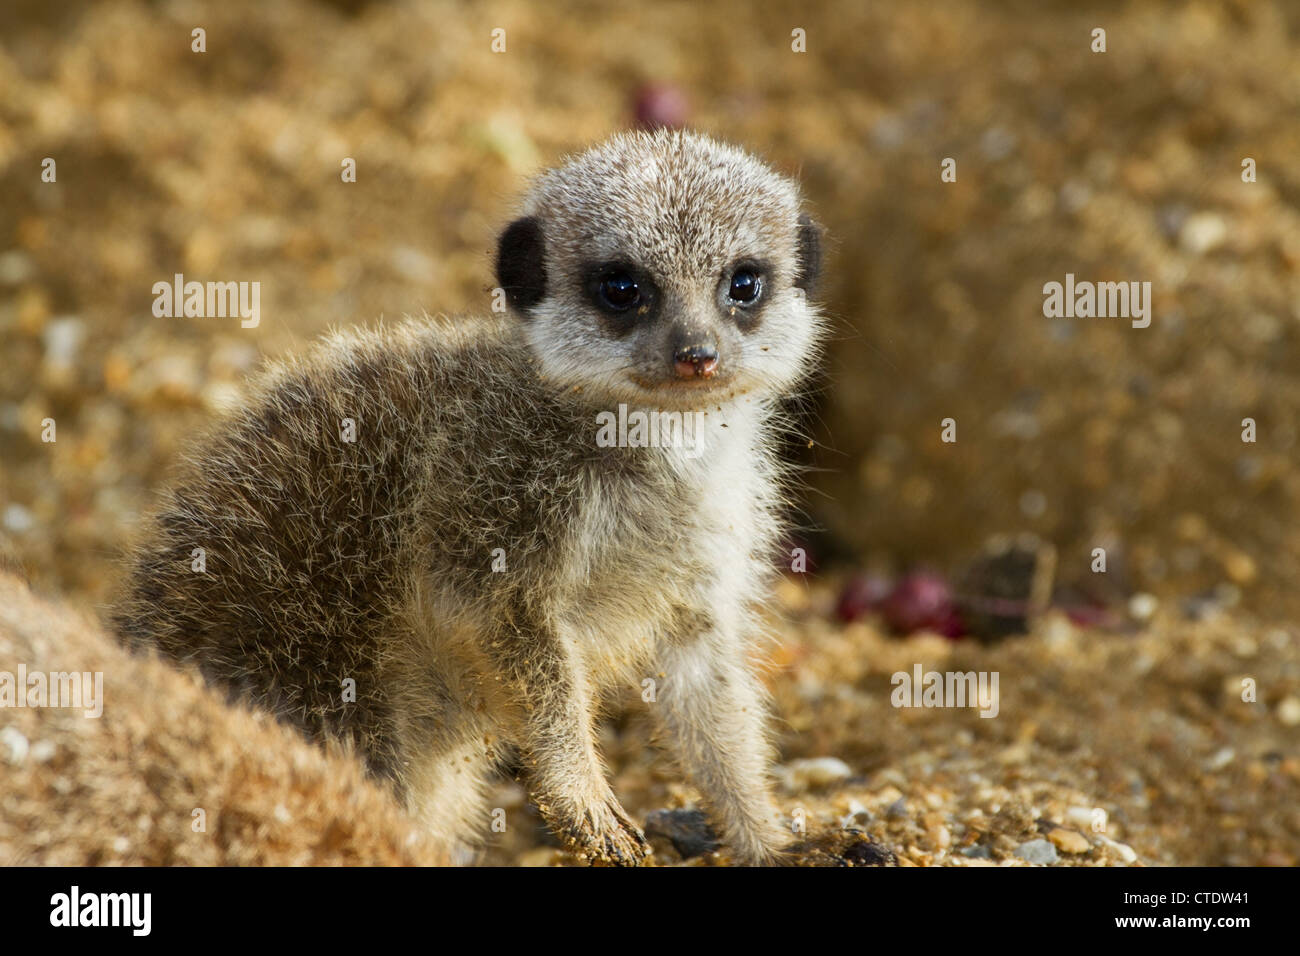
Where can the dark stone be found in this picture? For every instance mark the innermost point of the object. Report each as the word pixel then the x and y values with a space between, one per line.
pixel 687 830
pixel 866 853
pixel 847 847
pixel 1007 586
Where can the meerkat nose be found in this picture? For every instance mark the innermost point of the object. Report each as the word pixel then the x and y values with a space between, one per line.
pixel 696 360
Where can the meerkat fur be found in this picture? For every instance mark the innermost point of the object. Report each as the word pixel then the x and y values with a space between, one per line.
pixel 169 774
pixel 474 560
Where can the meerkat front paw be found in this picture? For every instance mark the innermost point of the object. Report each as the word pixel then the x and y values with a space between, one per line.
pixel 606 834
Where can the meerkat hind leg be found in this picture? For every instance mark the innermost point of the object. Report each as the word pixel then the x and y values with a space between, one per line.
pixel 446 785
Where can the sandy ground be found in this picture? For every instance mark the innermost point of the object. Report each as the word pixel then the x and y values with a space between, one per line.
pixel 1116 748
pixel 1123 165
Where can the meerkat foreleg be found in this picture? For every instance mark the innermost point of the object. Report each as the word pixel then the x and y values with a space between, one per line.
pixel 555 715
pixel 713 712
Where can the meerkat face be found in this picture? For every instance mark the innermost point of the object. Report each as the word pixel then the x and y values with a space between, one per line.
pixel 667 270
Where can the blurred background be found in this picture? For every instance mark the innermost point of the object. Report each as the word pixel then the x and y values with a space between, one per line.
pixel 1082 433
pixel 1115 166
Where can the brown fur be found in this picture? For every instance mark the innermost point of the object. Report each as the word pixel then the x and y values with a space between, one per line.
pixel 122 788
pixel 373 560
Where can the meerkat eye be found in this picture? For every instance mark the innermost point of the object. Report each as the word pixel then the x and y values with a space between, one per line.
pixel 619 291
pixel 745 286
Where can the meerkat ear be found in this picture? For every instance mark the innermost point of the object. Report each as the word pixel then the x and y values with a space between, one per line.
pixel 810 254
pixel 521 267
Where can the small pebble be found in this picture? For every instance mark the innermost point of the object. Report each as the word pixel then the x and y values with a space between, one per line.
pixel 1143 606
pixel 1082 816
pixel 16 267
pixel 1244 646
pixel 62 338
pixel 1221 758
pixel 18 519
pixel 1240 567
pixel 977 852
pixel 940 836
pixel 1202 232
pixel 1288 712
pixel 799 775
pixel 888 794
pixel 1126 852
pixel 856 816
pixel 1036 851
pixel 997 143
pixel 1033 503
pixel 1067 841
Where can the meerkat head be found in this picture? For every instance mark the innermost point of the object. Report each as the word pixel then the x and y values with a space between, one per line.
pixel 665 269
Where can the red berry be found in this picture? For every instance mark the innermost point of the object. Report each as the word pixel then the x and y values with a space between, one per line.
pixel 862 594
pixel 922 601
pixel 661 104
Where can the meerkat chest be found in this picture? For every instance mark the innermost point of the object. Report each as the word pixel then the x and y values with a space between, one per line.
pixel 666 558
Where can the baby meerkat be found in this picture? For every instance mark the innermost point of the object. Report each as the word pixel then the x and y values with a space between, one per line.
pixel 445 541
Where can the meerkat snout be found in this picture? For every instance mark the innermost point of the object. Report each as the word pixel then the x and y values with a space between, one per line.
pixel 695 361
